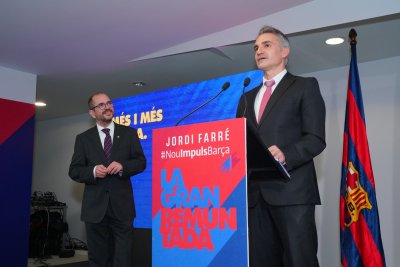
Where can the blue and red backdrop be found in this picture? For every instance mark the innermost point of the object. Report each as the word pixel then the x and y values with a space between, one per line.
pixel 165 108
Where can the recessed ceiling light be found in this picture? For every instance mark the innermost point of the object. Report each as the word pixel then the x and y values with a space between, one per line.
pixel 334 41
pixel 40 104
pixel 137 83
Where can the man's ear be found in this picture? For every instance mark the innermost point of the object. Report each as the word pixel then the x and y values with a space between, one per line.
pixel 285 52
pixel 92 114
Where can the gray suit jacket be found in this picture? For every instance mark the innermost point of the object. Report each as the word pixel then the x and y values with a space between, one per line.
pixel 294 120
pixel 116 189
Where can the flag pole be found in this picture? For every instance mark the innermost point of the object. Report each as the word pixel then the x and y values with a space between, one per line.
pixel 353 36
pixel 360 237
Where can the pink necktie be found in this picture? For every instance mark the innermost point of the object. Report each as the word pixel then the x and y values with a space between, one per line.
pixel 265 98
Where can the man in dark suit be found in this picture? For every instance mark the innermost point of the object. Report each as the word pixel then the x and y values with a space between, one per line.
pixel 105 160
pixel 282 230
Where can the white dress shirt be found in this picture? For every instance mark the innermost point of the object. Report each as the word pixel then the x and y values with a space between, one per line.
pixel 260 94
pixel 103 136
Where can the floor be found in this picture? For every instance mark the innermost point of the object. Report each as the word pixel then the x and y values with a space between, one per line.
pixel 80 256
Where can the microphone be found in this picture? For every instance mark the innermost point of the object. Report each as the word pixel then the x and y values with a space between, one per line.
pixel 224 87
pixel 245 84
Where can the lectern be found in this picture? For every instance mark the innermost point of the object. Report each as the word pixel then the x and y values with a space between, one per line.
pixel 260 163
pixel 199 186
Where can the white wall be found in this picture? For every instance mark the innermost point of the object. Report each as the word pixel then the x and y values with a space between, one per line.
pixel 380 82
pixel 17 85
pixel 54 144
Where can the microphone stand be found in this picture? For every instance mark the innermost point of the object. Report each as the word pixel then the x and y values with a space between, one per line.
pixel 224 87
pixel 245 84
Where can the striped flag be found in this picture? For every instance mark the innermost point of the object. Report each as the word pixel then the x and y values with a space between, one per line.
pixel 360 237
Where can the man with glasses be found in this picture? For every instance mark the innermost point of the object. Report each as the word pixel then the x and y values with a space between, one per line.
pixel 104 159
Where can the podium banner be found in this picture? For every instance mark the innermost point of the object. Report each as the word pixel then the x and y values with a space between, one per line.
pixel 199 211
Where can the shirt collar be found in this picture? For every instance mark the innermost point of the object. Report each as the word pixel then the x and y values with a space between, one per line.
pixel 277 78
pixel 111 126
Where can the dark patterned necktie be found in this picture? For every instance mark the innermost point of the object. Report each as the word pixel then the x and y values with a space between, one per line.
pixel 107 144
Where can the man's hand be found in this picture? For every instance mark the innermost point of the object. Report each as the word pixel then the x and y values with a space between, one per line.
pixel 101 171
pixel 278 154
pixel 114 168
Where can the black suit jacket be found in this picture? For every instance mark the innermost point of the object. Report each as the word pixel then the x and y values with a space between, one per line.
pixel 116 189
pixel 293 120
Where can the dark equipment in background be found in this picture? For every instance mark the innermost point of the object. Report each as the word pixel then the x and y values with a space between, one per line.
pixel 48 227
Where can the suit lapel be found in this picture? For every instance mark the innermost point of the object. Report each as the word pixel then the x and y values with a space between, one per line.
pixel 98 145
pixel 279 91
pixel 250 107
pixel 116 139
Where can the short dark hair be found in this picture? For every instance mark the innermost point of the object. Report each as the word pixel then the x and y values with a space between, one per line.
pixel 90 101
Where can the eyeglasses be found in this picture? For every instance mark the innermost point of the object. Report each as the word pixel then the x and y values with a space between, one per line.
pixel 103 106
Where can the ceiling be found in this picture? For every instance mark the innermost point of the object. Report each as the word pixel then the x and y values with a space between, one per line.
pixel 80 47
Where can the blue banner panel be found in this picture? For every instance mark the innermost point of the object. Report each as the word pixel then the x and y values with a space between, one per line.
pixel 165 108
